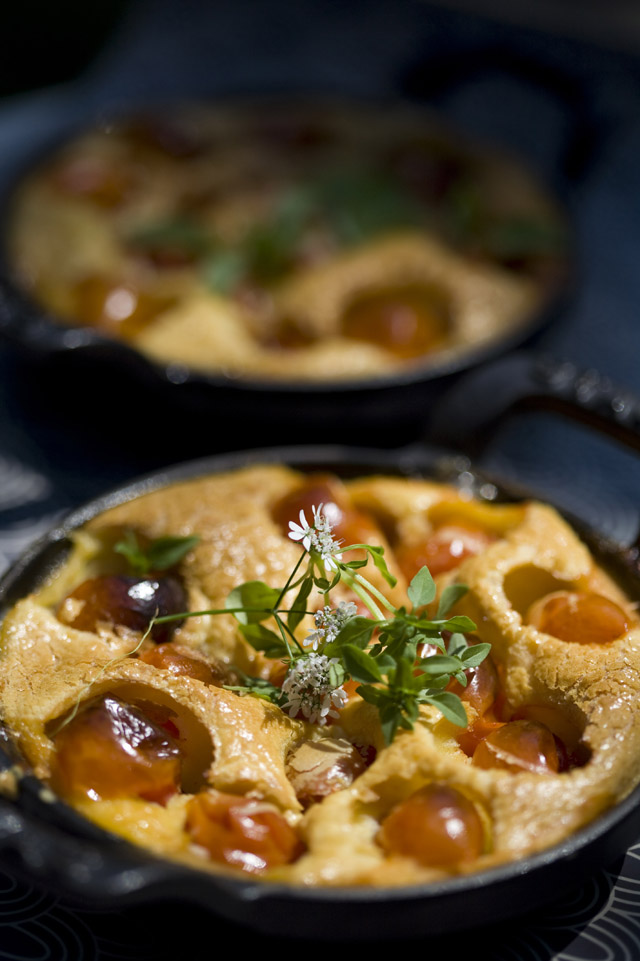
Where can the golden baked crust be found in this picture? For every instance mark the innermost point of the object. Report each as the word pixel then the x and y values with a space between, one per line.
pixel 237 239
pixel 247 747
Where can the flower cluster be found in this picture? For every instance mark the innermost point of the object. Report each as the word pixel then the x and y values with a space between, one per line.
pixel 329 623
pixel 382 650
pixel 311 689
pixel 317 537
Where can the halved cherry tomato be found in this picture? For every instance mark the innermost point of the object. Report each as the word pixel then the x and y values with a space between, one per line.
pixel 246 834
pixel 519 746
pixel 438 826
pixel 408 321
pixel 118 599
pixel 112 749
pixel 444 550
pixel 115 306
pixel 579 617
pixel 167 658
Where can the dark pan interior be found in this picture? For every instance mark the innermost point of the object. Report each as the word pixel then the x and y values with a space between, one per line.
pixel 373 407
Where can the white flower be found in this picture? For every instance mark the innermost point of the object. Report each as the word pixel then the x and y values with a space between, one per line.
pixel 311 689
pixel 329 623
pixel 317 537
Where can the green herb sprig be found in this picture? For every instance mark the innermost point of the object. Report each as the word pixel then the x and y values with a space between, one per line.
pixel 159 555
pixel 383 652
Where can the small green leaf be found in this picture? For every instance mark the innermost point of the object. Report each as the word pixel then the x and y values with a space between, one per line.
pixel 165 552
pixel 457 645
pixel 262 639
pixel 376 554
pixel 360 665
pixel 385 663
pixel 450 705
pixel 373 695
pixel 438 664
pixel 450 596
pixel 130 548
pixel 256 599
pixel 475 654
pixel 356 631
pixel 355 565
pixel 161 554
pixel 422 588
pixel 404 675
pixel 223 270
pixel 459 623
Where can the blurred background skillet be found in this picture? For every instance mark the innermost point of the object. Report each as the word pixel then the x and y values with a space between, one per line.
pixel 283 260
pixel 83 362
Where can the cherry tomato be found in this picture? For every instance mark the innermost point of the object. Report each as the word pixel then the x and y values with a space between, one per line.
pixel 482 686
pixel 116 306
pixel 243 833
pixel 445 549
pixel 438 826
pixel 578 617
pixel 112 749
pixel 317 489
pixel 167 658
pixel 117 599
pixel 519 746
pixel 319 768
pixel 349 525
pixel 407 321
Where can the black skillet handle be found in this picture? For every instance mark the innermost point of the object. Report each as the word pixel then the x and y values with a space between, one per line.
pixel 432 79
pixel 467 416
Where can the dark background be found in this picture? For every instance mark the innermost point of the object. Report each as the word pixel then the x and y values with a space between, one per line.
pixel 51 43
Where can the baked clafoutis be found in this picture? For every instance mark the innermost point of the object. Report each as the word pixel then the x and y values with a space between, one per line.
pixel 304 241
pixel 378 681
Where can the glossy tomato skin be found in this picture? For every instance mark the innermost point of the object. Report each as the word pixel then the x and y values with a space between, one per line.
pixel 175 660
pixel 125 600
pixel 408 321
pixel 444 550
pixel 241 832
pixel 437 826
pixel 519 746
pixel 579 617
pixel 113 749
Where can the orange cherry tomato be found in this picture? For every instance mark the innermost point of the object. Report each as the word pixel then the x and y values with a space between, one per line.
pixel 407 321
pixel 519 746
pixel 243 833
pixel 112 749
pixel 438 826
pixel 317 489
pixel 470 737
pixel 578 617
pixel 116 307
pixel 447 547
pixel 482 686
pixel 167 658
pixel 349 525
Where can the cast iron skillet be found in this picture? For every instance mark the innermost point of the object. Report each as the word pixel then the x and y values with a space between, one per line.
pixel 42 838
pixel 369 405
